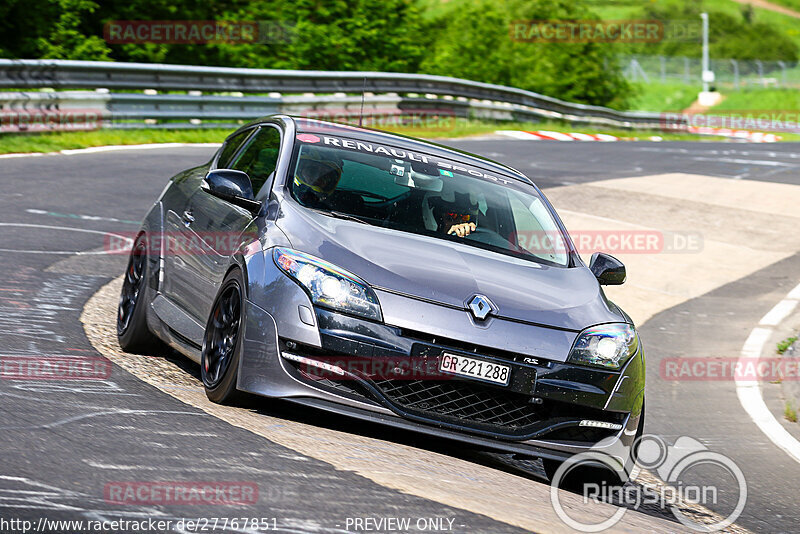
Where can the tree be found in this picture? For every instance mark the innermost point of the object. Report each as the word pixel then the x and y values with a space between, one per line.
pixel 52 29
pixel 477 41
pixel 333 35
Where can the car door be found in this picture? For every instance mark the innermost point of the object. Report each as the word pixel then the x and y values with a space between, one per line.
pixel 179 259
pixel 217 225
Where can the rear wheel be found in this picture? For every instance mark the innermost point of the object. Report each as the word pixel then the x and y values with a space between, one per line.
pixel 219 362
pixel 132 331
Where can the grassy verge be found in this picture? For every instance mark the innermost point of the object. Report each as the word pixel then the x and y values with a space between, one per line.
pixel 658 96
pixel 760 99
pixel 53 142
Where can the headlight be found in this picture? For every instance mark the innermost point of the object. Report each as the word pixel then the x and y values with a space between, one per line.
pixel 608 346
pixel 329 285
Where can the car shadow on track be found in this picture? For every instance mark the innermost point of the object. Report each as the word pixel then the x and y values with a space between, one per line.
pixel 525 467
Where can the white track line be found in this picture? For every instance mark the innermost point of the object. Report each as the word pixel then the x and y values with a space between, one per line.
pixel 749 391
pixel 109 148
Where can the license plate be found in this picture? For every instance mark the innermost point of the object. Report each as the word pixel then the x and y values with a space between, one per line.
pixel 481 369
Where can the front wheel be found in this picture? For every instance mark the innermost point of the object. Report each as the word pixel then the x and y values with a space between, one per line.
pixel 222 342
pixel 594 468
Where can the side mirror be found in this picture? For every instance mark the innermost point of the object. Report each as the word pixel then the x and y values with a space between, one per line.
pixel 232 186
pixel 608 270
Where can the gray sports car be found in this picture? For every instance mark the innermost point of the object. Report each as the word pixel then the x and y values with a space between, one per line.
pixel 387 279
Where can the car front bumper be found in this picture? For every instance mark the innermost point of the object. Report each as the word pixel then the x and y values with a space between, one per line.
pixel 540 413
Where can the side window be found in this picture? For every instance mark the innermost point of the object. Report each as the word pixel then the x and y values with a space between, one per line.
pixel 230 148
pixel 260 157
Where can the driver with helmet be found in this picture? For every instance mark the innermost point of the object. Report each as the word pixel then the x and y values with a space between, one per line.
pixel 317 176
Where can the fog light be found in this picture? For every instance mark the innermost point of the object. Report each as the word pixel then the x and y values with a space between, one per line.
pixel 313 363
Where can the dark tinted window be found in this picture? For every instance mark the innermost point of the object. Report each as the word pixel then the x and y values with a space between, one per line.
pixel 427 195
pixel 260 157
pixel 230 148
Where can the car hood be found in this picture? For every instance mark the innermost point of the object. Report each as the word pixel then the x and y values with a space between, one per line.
pixel 450 273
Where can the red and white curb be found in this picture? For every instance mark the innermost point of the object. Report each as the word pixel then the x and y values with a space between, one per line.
pixel 745 135
pixel 756 137
pixel 556 136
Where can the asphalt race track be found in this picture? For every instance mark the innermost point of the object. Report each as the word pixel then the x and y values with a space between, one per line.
pixel 730 214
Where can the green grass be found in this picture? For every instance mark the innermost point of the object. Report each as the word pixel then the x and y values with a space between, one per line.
pixel 455 128
pixel 791 4
pixel 760 99
pixel 53 142
pixel 664 96
pixel 789 412
pixel 787 24
pixel 784 345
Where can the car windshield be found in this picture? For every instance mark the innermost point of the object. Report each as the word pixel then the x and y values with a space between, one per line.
pixel 424 194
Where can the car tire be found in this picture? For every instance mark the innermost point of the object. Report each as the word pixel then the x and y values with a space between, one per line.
pixel 222 341
pixel 578 477
pixel 133 334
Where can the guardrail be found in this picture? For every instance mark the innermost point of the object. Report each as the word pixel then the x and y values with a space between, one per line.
pixel 309 93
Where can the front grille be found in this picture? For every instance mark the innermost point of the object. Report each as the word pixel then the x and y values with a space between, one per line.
pixel 462 402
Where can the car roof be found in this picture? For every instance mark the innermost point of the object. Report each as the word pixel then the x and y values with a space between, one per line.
pixel 370 135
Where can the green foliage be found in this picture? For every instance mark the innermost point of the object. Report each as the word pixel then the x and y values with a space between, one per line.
pixel 789 412
pixel 51 29
pixel 66 40
pixel 470 39
pixel 474 41
pixel 382 35
pixel 738 37
pixel 784 345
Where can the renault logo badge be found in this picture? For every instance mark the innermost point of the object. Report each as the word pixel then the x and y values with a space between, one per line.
pixel 480 307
